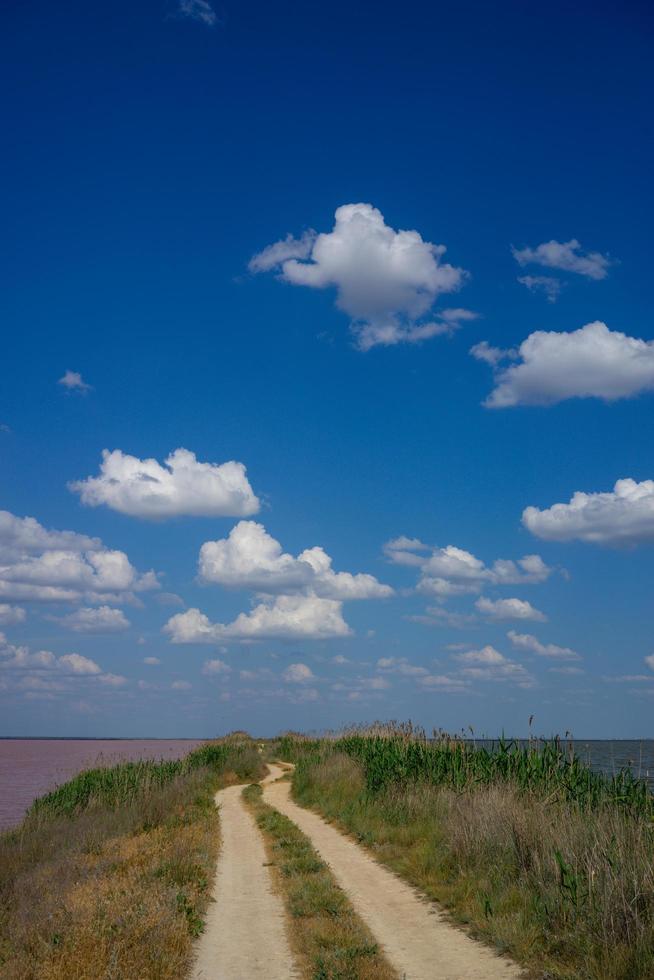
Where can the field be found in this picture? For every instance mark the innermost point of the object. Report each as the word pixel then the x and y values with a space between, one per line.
pixel 108 876
pixel 535 854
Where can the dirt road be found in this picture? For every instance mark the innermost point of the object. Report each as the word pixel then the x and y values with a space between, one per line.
pixel 244 936
pixel 416 938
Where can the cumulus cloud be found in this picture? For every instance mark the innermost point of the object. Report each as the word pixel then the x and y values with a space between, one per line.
pixel 284 617
pixel 77 664
pixel 43 671
pixel 548 285
pixel 199 10
pixel 490 665
pixel 181 686
pixel 483 351
pixel 650 661
pixel 452 571
pixel 182 486
pixel 102 619
pixel 400 665
pixel 623 516
pixel 274 256
pixel 10 615
pixel 112 680
pixel 73 381
pixel 216 666
pixel 566 256
pixel 592 362
pixel 444 682
pixel 251 559
pixel 524 641
pixel 437 616
pixel 151 661
pixel 387 281
pixel 24 535
pixel 500 609
pixel 298 674
pixel 62 566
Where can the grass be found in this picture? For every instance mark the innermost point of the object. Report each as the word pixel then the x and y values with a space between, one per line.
pixel 329 940
pixel 109 875
pixel 561 881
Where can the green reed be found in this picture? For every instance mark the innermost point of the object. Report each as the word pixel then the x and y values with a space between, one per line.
pixel 399 754
pixel 122 784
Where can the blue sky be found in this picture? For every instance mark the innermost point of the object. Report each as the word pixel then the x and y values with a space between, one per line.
pixel 151 152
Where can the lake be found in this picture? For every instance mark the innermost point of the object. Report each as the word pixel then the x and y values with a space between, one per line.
pixel 30 767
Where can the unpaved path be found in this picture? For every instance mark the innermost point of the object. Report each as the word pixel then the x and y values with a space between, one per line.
pixel 244 936
pixel 415 936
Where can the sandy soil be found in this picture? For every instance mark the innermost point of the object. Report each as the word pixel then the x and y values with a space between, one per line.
pixel 415 936
pixel 244 936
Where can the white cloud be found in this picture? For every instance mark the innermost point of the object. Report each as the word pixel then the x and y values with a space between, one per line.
pixel 542 284
pixel 200 10
pixel 445 682
pixel 275 255
pixel 567 256
pixel 10 615
pixel 42 671
pixel 565 670
pixel 436 616
pixel 483 351
pixel 500 609
pixel 181 686
pixel 524 641
pixel 62 566
pixel 488 664
pixel 151 661
pixel 385 280
pixel 488 655
pixel 102 619
pixel 182 486
pixel 250 558
pixel 452 571
pixel 73 381
pixel 285 617
pixel 112 680
pixel 216 666
pixel 298 674
pixel 650 661
pixel 77 664
pixel 405 551
pixel 592 362
pixel 25 536
pixel 624 516
pixel 400 665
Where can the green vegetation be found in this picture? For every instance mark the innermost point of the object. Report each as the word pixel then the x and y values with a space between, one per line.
pixel 109 875
pixel 329 940
pixel 541 858
pixel 399 755
pixel 121 785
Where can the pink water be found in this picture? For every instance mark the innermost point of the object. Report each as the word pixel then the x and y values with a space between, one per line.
pixel 30 767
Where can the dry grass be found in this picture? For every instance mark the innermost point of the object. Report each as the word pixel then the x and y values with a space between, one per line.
pixel 116 892
pixel 329 940
pixel 568 893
